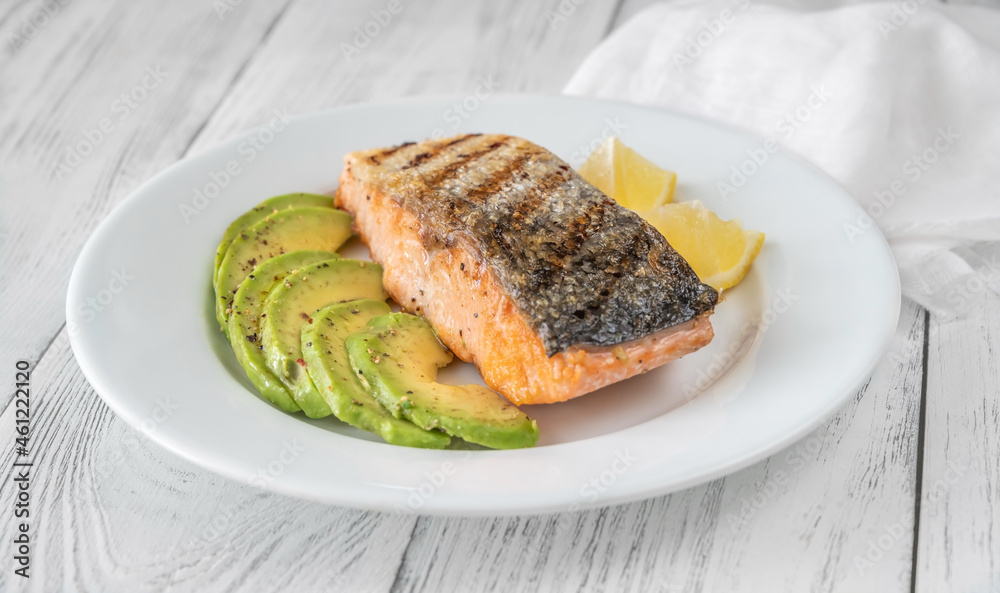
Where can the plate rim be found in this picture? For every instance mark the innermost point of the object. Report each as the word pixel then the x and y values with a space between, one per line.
pixel 345 498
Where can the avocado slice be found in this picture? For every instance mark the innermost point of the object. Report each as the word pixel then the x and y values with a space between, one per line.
pixel 330 369
pixel 260 212
pixel 321 229
pixel 244 323
pixel 291 305
pixel 397 356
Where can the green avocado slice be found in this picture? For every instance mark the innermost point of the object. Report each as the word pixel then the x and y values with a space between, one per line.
pixel 291 305
pixel 330 369
pixel 397 357
pixel 320 229
pixel 244 323
pixel 260 212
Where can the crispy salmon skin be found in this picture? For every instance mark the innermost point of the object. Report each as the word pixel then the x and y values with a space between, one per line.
pixel 523 268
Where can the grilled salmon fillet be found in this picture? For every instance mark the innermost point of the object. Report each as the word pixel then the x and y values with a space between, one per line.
pixel 523 268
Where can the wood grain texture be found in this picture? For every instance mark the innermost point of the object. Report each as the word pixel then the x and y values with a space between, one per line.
pixel 444 47
pixel 113 512
pixel 56 90
pixel 802 520
pixel 959 546
pixel 116 513
pixel 119 514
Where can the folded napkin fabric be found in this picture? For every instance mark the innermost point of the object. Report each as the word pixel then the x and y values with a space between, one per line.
pixel 897 101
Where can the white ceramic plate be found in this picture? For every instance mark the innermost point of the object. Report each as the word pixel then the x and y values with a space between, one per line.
pixel 793 342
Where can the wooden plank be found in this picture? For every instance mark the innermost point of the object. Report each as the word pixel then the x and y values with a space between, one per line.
pixel 846 521
pixel 315 59
pixel 959 535
pixel 958 542
pixel 633 547
pixel 111 511
pixel 832 513
pixel 630 8
pixel 84 69
pixel 122 514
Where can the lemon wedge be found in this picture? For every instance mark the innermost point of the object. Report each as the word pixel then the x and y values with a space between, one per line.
pixel 627 177
pixel 719 251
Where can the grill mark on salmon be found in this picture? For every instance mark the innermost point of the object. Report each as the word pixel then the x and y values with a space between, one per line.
pixel 551 241
pixel 495 225
pixel 459 139
pixel 376 158
pixel 417 160
pixel 462 160
pixel 498 179
pixel 491 185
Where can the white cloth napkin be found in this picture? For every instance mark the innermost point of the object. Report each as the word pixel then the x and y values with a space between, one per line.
pixel 899 102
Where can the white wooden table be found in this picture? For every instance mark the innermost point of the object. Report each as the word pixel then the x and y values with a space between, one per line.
pixel 900 491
